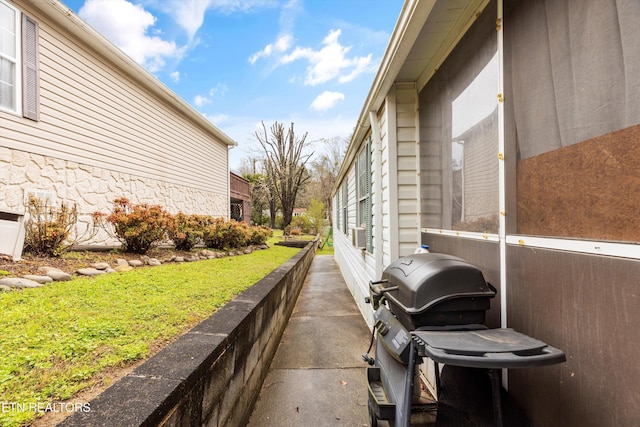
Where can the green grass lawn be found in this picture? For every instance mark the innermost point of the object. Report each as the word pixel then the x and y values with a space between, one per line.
pixel 58 339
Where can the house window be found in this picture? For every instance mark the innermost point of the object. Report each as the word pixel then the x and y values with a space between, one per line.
pixel 345 207
pixel 336 211
pixel 18 62
pixel 363 192
pixel 9 57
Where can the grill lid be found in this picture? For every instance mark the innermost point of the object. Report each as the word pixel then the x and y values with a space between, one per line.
pixel 428 279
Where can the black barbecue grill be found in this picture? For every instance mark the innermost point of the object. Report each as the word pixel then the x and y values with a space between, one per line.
pixel 436 290
pixel 434 305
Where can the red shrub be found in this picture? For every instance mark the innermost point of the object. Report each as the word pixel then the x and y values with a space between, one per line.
pixel 137 227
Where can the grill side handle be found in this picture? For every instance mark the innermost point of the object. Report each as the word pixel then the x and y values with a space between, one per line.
pixel 377 291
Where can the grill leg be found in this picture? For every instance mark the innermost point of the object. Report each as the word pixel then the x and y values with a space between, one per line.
pixel 408 390
pixel 494 374
pixel 436 367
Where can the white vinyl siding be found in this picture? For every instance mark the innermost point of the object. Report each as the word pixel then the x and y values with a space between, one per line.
pixel 383 235
pixel 93 113
pixel 408 177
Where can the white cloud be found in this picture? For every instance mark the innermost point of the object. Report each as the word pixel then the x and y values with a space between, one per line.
pixel 281 45
pixel 330 61
pixel 127 26
pixel 326 100
pixel 361 65
pixel 189 14
pixel 219 90
pixel 243 6
pixel 216 118
pixel 200 100
pixel 175 76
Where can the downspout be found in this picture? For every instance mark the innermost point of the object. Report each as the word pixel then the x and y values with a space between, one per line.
pixel 377 217
pixel 228 185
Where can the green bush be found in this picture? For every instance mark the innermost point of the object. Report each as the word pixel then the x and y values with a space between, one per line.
pixel 209 231
pixel 137 227
pixel 259 235
pixel 258 219
pixel 279 222
pixel 186 231
pixel 48 228
pixel 316 215
pixel 224 235
pixel 302 223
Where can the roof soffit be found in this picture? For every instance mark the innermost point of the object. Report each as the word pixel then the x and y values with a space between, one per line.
pixel 425 33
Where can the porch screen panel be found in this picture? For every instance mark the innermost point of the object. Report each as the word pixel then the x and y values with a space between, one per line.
pixel 573 89
pixel 459 134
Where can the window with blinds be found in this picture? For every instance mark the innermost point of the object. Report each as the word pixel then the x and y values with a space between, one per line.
pixel 345 207
pixel 363 193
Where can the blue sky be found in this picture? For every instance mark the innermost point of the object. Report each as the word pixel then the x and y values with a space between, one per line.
pixel 240 62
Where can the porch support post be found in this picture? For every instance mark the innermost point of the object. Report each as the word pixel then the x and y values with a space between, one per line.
pixel 377 193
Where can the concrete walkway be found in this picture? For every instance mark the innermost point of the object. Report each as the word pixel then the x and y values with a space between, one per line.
pixel 317 377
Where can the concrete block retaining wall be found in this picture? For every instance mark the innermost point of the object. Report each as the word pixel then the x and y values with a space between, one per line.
pixel 212 375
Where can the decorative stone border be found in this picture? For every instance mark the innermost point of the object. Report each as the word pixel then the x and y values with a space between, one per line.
pixel 51 274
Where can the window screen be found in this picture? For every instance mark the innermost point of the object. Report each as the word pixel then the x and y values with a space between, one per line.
pixel 459 135
pixel 8 56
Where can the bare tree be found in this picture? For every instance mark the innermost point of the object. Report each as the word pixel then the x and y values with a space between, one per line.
pixel 285 165
pixel 326 168
pixel 250 165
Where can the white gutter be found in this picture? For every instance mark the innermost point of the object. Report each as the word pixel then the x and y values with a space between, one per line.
pixel 377 216
pixel 60 14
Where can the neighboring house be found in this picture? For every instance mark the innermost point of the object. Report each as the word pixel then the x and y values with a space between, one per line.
pixel 240 198
pixel 508 133
pixel 299 212
pixel 81 122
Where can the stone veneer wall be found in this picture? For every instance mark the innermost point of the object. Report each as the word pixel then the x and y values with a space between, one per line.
pixel 212 375
pixel 94 189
